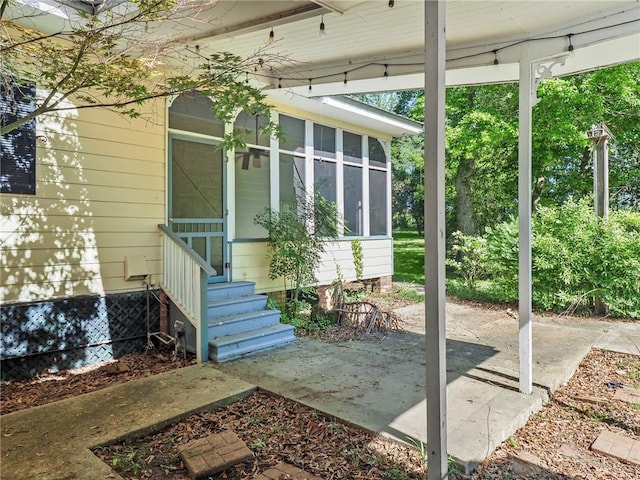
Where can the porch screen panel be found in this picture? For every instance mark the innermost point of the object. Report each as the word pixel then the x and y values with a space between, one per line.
pixel 324 141
pixel 192 112
pixel 352 147
pixel 377 155
pixel 252 191
pixel 324 174
pixel 377 202
pixel 291 180
pixel 352 201
pixel 293 130
pixel 196 178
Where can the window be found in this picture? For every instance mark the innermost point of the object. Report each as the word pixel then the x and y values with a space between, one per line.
pixel 252 192
pixel 352 201
pixel 293 130
pixel 352 147
pixel 250 127
pixel 325 179
pixel 192 112
pixel 324 141
pixel 377 155
pixel 291 180
pixel 377 202
pixel 18 147
pixel 252 176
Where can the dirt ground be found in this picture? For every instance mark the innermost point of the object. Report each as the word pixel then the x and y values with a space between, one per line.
pixel 555 443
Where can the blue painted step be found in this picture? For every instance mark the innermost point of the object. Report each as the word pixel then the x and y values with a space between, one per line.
pixel 233 346
pixel 233 306
pixel 242 322
pixel 217 291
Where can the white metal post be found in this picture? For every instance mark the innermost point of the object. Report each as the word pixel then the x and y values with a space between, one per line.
pixel 527 94
pixel 434 235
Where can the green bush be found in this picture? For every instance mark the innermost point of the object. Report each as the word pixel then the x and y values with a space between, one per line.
pixel 577 259
pixel 468 257
pixel 502 258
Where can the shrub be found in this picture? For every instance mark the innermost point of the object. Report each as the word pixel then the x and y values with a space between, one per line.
pixel 577 259
pixel 468 257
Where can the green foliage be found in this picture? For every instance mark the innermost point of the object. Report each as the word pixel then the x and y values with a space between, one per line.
pixel 468 256
pixel 356 251
pixel 482 149
pixel 577 258
pixel 297 239
pixel 502 258
pixel 115 59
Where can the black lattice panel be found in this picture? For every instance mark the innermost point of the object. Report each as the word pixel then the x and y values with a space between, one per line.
pixel 73 332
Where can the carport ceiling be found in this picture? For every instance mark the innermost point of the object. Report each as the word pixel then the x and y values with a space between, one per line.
pixel 364 36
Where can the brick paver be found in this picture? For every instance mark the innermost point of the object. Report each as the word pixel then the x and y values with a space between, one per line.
pixel 618 446
pixel 285 471
pixel 628 394
pixel 215 453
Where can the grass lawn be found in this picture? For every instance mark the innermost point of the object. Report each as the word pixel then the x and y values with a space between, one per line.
pixel 408 257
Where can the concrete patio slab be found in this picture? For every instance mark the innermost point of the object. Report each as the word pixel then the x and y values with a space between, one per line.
pixel 379 383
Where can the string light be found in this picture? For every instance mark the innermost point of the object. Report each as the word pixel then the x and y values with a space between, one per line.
pixel 198 49
pixel 323 31
pixel 246 78
pixel 272 37
pixel 391 3
pixel 570 47
pixel 279 83
pixel 293 79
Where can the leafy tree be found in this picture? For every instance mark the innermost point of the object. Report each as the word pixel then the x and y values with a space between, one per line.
pixel 482 147
pixel 117 55
pixel 408 182
pixel 297 238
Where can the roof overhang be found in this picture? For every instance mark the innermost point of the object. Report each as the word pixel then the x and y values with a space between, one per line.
pixel 371 47
pixel 347 111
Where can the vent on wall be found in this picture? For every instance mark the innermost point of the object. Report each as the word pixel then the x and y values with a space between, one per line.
pixel 135 267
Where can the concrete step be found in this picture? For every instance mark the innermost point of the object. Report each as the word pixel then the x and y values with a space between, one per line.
pixel 233 346
pixel 218 291
pixel 233 306
pixel 242 322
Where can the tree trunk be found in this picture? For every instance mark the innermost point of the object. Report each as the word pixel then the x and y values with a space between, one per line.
pixel 465 216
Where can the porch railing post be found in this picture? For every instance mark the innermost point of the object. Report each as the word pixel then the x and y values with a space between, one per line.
pixel 203 330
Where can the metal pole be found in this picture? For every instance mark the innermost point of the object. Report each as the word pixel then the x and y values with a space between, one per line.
pixel 434 235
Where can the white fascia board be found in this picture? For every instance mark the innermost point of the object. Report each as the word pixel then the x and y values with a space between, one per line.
pixel 347 111
pixel 380 116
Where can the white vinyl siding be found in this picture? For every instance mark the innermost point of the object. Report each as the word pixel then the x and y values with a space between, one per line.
pixel 100 196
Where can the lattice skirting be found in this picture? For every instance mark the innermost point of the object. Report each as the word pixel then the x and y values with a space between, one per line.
pixel 71 333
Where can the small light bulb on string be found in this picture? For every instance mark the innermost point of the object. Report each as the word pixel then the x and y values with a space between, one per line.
pixel 385 75
pixel 246 78
pixel 198 49
pixel 570 47
pixel 345 79
pixel 279 83
pixel 272 37
pixel 323 31
pixel 309 85
pixel 391 3
pixel 495 58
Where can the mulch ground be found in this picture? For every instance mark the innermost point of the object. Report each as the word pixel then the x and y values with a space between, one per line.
pixel 557 439
pixel 18 395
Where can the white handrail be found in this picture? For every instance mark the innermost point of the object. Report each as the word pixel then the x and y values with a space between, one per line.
pixel 184 280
